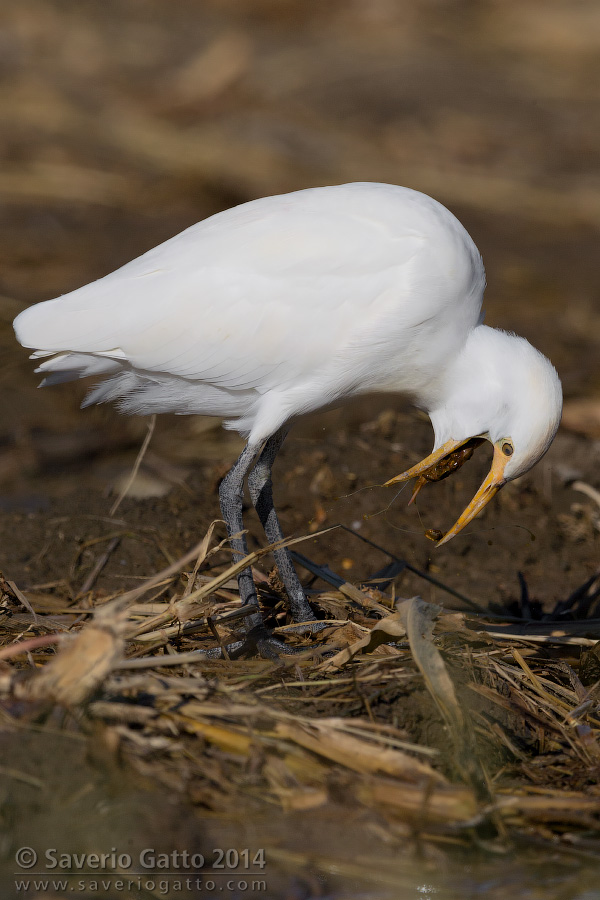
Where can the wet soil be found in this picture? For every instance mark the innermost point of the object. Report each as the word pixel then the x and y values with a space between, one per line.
pixel 330 472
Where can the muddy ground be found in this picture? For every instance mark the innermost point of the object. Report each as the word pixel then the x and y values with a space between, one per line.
pixel 126 123
pixel 327 475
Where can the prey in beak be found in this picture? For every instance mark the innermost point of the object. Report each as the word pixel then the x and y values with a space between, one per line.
pixel 446 460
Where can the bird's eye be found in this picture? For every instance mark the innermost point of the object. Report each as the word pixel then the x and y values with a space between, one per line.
pixel 507 448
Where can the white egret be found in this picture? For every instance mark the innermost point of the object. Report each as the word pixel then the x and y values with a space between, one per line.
pixel 287 304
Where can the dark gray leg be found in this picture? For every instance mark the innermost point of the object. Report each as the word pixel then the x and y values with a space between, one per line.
pixel 231 494
pixel 261 493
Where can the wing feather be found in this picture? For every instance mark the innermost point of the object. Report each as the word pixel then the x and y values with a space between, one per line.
pixel 266 294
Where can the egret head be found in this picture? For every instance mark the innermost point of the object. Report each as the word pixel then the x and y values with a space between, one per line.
pixel 500 389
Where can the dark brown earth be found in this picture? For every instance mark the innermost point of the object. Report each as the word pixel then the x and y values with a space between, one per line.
pixel 530 528
pixel 125 123
pixel 330 472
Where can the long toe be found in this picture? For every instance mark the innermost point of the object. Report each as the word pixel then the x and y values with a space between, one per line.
pixel 309 626
pixel 272 648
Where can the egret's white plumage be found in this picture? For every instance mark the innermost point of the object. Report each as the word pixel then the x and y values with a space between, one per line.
pixel 274 308
pixel 290 303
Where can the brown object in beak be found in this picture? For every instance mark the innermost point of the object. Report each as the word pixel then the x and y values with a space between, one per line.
pixel 447 459
pixel 446 465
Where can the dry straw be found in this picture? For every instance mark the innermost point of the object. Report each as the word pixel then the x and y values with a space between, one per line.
pixel 450 724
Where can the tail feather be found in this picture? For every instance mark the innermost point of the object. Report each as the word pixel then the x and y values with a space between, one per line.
pixel 117 387
pixel 63 367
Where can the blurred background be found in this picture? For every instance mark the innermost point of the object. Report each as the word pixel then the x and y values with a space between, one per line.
pixel 125 122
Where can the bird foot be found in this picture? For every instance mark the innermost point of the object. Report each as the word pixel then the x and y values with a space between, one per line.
pixel 260 640
pixel 310 626
pixel 269 647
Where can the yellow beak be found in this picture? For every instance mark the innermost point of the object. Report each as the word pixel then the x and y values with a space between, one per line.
pixel 433 467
